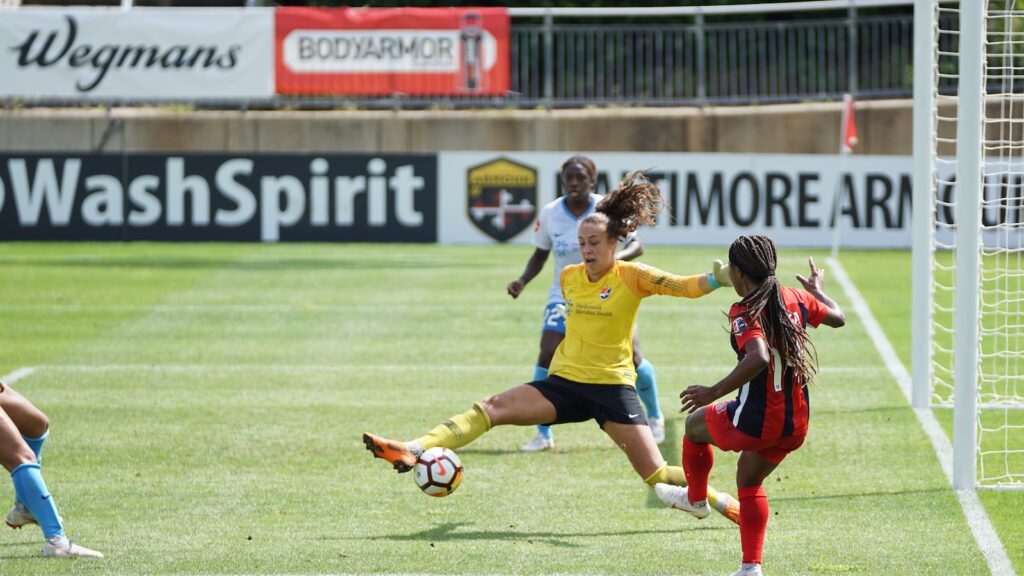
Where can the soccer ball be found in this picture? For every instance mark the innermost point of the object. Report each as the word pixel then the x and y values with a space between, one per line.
pixel 438 471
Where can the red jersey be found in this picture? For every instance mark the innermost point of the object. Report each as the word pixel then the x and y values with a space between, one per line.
pixel 775 403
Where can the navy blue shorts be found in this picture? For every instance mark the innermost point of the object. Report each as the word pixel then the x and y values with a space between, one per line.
pixel 575 402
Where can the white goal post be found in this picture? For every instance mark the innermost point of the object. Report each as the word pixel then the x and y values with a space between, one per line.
pixel 968 229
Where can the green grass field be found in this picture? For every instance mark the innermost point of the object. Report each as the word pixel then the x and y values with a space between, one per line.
pixel 207 403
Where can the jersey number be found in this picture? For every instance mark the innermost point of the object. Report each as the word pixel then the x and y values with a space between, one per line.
pixel 555 316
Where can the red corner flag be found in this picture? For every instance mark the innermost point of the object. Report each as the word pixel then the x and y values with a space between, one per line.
pixel 848 128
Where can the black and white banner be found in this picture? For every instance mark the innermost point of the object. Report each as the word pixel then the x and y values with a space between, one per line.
pixel 269 198
pixel 146 53
pixel 713 198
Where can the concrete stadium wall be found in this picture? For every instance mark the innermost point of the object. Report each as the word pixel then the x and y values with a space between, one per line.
pixel 884 127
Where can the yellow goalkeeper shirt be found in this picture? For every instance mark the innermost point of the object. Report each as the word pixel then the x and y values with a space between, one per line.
pixel 598 344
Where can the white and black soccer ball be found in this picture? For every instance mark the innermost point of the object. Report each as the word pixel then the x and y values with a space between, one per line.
pixel 438 471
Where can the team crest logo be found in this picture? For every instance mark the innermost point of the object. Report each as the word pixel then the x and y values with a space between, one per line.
pixel 739 326
pixel 502 197
pixel 605 293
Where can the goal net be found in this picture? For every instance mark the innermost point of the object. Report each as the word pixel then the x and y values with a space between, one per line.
pixel 976 248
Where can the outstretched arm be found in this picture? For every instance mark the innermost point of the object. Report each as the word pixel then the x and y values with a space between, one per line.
pixel 646 280
pixel 815 285
pixel 533 267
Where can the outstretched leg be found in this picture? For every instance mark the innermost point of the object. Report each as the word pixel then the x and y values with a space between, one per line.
pixel 522 405
pixel 638 444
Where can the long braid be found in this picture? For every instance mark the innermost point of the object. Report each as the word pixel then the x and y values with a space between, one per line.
pixel 635 201
pixel 757 258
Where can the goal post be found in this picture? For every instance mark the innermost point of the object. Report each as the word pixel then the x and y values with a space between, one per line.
pixel 923 223
pixel 968 239
pixel 968 233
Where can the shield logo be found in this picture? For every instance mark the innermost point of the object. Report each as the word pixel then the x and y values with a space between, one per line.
pixel 502 197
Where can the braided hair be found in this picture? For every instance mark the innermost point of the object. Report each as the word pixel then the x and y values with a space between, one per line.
pixel 635 201
pixel 756 257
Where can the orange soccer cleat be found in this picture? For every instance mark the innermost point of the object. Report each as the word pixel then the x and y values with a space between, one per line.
pixel 394 452
pixel 730 508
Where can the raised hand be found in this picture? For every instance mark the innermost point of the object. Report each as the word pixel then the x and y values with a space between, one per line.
pixel 721 273
pixel 815 281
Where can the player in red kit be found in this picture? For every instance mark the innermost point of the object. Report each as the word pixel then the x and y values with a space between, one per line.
pixel 768 418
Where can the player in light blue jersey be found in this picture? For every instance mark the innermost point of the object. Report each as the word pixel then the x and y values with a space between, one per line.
pixel 23 429
pixel 555 231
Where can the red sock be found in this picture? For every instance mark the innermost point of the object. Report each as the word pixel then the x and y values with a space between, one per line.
pixel 697 462
pixel 753 522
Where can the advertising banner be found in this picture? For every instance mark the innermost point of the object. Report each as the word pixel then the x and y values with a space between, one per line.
pixel 242 198
pixel 713 198
pixel 382 51
pixel 145 53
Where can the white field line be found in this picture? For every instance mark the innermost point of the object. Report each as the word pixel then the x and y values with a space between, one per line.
pixel 17 375
pixel 988 541
pixel 376 367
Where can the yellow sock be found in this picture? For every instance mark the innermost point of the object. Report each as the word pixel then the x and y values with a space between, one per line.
pixel 667 475
pixel 458 430
pixel 674 475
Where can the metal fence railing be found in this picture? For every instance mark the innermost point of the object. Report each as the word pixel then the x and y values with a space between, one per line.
pixel 712 63
pixel 745 54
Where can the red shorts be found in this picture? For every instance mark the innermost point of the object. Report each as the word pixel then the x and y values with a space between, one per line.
pixel 727 437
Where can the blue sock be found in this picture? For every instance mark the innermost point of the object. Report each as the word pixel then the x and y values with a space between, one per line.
pixel 36 444
pixel 30 489
pixel 540 373
pixel 647 388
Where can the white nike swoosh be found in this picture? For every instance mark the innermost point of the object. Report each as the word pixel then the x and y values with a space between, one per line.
pixel 633 415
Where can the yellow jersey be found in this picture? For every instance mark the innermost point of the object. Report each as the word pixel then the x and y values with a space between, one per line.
pixel 599 319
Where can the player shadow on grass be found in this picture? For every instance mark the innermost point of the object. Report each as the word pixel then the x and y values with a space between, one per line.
pixel 939 490
pixel 18 551
pixel 896 409
pixel 449 531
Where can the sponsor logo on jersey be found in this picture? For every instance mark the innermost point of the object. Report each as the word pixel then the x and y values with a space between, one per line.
pixel 502 197
pixel 605 293
pixel 739 326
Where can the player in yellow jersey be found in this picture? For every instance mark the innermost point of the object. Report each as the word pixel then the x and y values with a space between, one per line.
pixel 592 374
pixel 555 235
